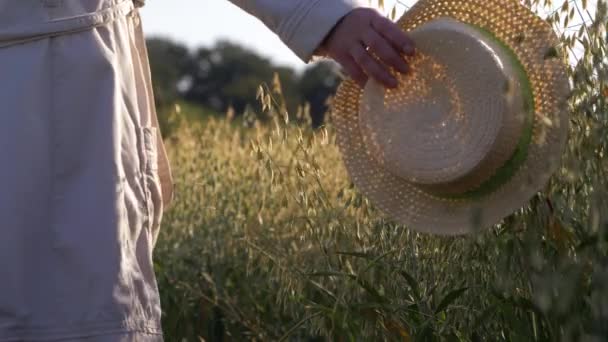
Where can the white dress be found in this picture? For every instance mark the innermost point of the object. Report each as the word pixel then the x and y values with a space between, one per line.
pixel 84 177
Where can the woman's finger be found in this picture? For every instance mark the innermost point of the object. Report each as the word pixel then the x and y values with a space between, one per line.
pixel 394 35
pixel 372 67
pixel 354 71
pixel 384 50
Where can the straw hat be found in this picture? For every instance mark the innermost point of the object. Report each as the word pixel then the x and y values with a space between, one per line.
pixel 473 131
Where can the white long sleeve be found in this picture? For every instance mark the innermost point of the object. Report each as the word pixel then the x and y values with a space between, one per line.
pixel 300 24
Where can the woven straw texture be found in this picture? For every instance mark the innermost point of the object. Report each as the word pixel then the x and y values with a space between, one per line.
pixel 534 43
pixel 435 129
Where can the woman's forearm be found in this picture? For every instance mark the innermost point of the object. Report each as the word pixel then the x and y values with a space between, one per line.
pixel 300 24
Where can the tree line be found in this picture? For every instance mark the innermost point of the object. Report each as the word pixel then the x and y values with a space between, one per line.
pixel 227 75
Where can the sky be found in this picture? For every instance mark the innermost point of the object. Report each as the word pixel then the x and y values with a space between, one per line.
pixel 203 22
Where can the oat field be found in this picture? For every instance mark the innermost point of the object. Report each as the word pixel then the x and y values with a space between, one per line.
pixel 267 239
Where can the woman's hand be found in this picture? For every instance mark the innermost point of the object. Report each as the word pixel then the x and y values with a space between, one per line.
pixel 359 36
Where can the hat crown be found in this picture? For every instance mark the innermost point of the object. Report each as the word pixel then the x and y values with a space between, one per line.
pixel 456 117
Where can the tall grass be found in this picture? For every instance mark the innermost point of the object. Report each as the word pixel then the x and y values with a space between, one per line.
pixel 268 239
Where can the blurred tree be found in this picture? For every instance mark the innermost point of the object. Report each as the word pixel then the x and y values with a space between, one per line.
pixel 170 63
pixel 228 75
pixel 316 85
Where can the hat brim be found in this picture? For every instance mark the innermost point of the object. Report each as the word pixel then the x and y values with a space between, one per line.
pixel 533 42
